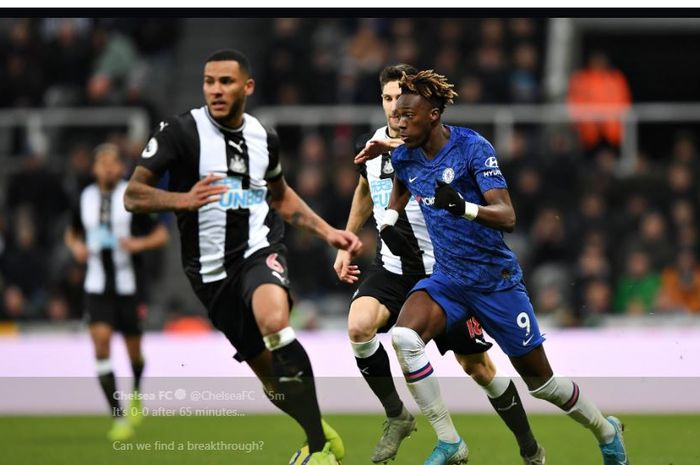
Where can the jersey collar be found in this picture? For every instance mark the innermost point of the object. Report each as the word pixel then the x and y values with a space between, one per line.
pixel 224 128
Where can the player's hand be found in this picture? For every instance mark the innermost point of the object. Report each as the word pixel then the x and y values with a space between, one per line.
pixel 346 271
pixel 202 193
pixel 80 252
pixel 344 240
pixel 374 148
pixel 448 199
pixel 132 244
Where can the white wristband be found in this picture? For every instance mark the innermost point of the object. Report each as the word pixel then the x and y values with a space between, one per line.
pixel 470 210
pixel 389 219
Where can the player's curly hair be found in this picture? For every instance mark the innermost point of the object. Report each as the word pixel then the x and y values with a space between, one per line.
pixel 431 86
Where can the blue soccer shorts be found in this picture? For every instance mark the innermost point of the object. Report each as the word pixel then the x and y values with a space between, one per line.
pixel 507 316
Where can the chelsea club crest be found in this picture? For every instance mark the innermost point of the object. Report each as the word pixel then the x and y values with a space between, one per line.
pixel 448 175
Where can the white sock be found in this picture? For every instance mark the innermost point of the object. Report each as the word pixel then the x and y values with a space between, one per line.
pixel 497 386
pixel 423 385
pixel 365 349
pixel 566 395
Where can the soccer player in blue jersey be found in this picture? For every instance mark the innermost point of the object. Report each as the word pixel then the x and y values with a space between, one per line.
pixel 453 173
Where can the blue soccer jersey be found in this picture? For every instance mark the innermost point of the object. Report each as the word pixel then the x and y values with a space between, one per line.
pixel 471 254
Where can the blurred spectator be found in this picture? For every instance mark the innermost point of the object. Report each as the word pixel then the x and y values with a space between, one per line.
pixel 653 240
pixel 549 239
pixel 637 288
pixel 21 78
pixel 599 84
pixel 680 285
pixel 493 73
pixel 67 62
pixel 470 90
pixel 524 85
pixel 597 299
pixel 118 74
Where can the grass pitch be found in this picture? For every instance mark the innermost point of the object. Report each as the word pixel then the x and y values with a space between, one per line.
pixel 271 440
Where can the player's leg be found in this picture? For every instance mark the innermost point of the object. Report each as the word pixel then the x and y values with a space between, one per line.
pixel 130 324
pixel 505 399
pixel 291 367
pixel 366 316
pixel 565 394
pixel 518 335
pixel 374 308
pixel 421 318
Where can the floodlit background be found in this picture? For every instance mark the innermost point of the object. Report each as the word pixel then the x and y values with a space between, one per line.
pixel 595 123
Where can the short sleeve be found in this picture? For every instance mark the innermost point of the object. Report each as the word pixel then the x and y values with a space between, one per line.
pixel 484 167
pixel 161 151
pixel 274 167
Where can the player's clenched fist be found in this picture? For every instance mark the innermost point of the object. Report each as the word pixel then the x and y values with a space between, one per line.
pixel 448 199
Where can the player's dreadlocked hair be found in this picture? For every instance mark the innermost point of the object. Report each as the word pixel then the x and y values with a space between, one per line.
pixel 431 86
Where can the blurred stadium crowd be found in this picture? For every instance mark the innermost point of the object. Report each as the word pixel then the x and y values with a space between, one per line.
pixel 592 243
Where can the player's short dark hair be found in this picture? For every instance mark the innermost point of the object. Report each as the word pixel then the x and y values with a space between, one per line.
pixel 394 73
pixel 230 54
pixel 431 86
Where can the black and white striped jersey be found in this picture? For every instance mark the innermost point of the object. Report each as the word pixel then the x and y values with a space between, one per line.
pixel 219 235
pixel 103 220
pixel 380 177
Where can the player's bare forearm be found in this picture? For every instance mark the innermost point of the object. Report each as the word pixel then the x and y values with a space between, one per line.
pixel 361 207
pixel 399 196
pixel 498 213
pixel 295 211
pixel 142 197
pixel 156 239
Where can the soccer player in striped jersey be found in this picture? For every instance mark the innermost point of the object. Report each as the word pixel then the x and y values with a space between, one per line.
pixel 377 302
pixel 453 173
pixel 223 165
pixel 109 239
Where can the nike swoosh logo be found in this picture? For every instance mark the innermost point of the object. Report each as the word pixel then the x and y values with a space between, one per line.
pixel 527 341
pixel 412 179
pixel 451 204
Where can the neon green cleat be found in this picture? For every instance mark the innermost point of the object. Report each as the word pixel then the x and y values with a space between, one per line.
pixel 121 430
pixel 324 457
pixel 336 444
pixel 134 414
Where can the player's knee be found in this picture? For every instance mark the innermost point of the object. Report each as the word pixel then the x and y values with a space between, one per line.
pixel 479 370
pixel 273 323
pixel 361 330
pixel 406 341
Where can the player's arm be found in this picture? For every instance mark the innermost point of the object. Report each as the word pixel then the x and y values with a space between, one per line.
pixel 374 148
pixel 75 243
pixel 142 197
pixel 498 213
pixel 297 213
pixel 74 236
pixel 360 211
pixel 155 239
pixel 397 242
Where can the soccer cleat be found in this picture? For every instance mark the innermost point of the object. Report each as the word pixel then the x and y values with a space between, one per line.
pixel 134 413
pixel 121 430
pixel 537 459
pixel 446 453
pixel 396 429
pixel 336 444
pixel 324 457
pixel 614 452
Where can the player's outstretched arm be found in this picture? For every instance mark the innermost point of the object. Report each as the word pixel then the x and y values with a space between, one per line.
pixel 297 213
pixel 142 197
pixel 498 213
pixel 360 211
pixel 374 148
